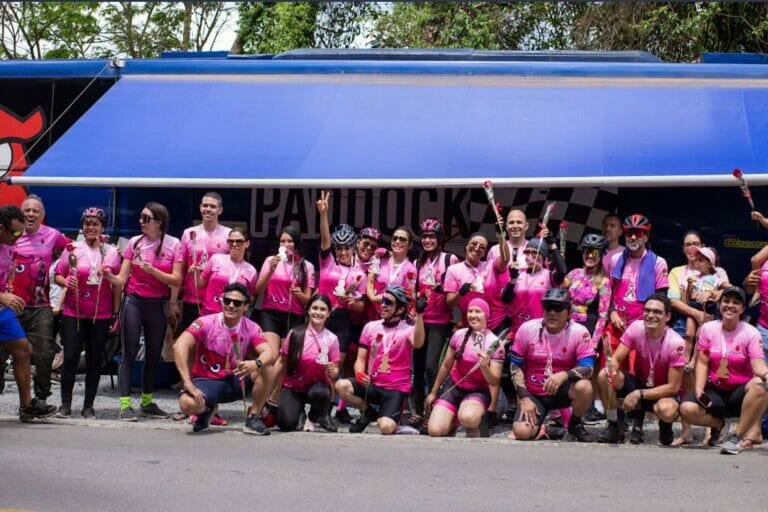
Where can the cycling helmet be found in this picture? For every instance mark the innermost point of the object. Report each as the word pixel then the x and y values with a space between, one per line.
pixel 96 212
pixel 401 295
pixel 432 225
pixel 557 296
pixel 592 241
pixel 538 244
pixel 372 233
pixel 344 234
pixel 637 221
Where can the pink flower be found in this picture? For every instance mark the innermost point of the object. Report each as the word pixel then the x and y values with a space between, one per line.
pixel 737 173
pixel 379 337
pixel 103 239
pixel 410 275
pixel 234 337
pixel 193 234
pixel 70 247
pixel 487 184
pixel 563 225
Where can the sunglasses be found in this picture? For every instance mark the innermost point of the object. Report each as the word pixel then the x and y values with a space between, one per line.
pixel 146 218
pixel 429 236
pixel 398 238
pixel 637 233
pixel 556 307
pixel 232 302
pixel 237 242
pixel 386 301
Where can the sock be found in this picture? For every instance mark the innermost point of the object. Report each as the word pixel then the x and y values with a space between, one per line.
pixel 341 405
pixel 146 399
pixel 612 415
pixel 125 402
pixel 599 406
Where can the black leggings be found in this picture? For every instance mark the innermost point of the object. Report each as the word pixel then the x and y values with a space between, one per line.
pixel 292 405
pixel 426 360
pixel 94 336
pixel 135 313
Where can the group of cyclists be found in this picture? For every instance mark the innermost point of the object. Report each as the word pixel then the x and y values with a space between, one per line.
pixel 426 344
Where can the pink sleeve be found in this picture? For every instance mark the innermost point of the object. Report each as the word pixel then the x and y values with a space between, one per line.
pixel 177 257
pixel 252 283
pixel 662 274
pixel 584 347
pixel 257 338
pixel 704 333
pixel 453 259
pixel 628 336
pixel 451 284
pixel 184 247
pixel 311 282
pixel 265 266
pixel 334 355
pixel 755 346
pixel 62 268
pixel 455 342
pixel 677 354
pixel 520 345
pixel 128 251
pixel 196 329
pixel 114 258
pixel 365 337
pixel 61 242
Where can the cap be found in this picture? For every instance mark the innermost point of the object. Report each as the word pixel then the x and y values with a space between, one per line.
pixel 706 252
pixel 734 290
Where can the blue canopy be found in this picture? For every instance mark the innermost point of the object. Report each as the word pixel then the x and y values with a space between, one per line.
pixel 344 124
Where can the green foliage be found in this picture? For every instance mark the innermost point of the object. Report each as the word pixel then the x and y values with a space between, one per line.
pixel 276 27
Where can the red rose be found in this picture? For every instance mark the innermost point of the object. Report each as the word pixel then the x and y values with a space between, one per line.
pixel 234 337
pixel 379 337
pixel 70 247
pixel 737 173
pixel 193 234
pixel 487 184
pixel 563 225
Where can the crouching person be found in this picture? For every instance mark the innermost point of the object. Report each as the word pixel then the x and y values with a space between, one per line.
pixel 551 363
pixel 383 364
pixel 223 344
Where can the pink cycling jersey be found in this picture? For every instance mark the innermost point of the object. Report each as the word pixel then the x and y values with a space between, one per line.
pixel 666 352
pixel 625 299
pixel 389 354
pixel 197 249
pixel 220 271
pixel 320 348
pixel 741 345
pixel 431 275
pixel 82 301
pixel 215 357
pixel 33 255
pixel 141 249
pixel 286 275
pixel 477 343
pixel 337 279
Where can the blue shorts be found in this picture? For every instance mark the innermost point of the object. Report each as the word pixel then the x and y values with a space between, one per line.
pixel 222 391
pixel 10 328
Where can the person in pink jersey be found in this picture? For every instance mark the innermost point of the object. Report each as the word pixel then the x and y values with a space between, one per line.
pixel 222 269
pixel 391 268
pixel 731 377
pixel 309 364
pixel 431 266
pixel 658 376
pixel 383 365
pixel 475 277
pixel 467 384
pixel 90 306
pixel 611 231
pixel 637 273
pixel 33 254
pixel 12 337
pixel 524 290
pixel 551 362
pixel 152 264
pixel 198 245
pixel 517 226
pixel 229 352
pixel 286 282
pixel 369 241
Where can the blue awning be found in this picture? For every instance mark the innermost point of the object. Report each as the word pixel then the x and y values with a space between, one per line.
pixel 417 125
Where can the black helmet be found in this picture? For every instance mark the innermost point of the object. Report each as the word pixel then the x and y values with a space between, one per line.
pixel 538 244
pixel 593 241
pixel 401 295
pixel 344 234
pixel 557 296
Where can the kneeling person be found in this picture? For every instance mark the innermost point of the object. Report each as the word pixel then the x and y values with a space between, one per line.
pixel 218 342
pixel 551 363
pixel 383 364
pixel 658 374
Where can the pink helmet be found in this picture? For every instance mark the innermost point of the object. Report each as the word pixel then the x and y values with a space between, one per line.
pixel 372 233
pixel 432 225
pixel 95 211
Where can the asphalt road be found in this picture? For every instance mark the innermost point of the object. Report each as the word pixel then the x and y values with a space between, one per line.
pixel 112 466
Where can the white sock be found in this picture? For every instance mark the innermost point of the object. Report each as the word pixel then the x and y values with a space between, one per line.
pixel 599 406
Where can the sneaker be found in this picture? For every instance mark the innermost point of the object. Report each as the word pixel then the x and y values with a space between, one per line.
pixel 326 423
pixel 202 420
pixel 358 427
pixel 254 425
pixel 576 429
pixel 269 414
pixel 613 434
pixel 128 415
pixel 666 436
pixel 593 417
pixel 88 413
pixel 36 409
pixel 218 421
pixel 732 445
pixel 309 425
pixel 64 411
pixel 343 416
pixel 153 411
pixel 717 436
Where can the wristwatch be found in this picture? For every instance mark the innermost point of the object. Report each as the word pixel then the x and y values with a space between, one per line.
pixel 259 363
